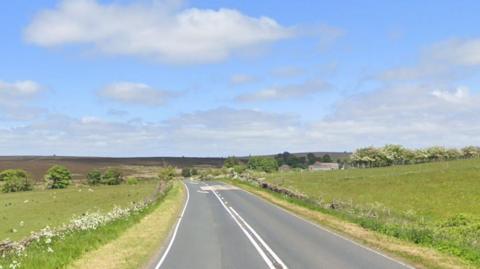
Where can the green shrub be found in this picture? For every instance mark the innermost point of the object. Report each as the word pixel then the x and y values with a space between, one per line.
pixel 186 172
pixel 239 169
pixel 94 177
pixel 112 177
pixel 15 181
pixel 132 181
pixel 58 177
pixel 167 173
pixel 265 164
pixel 231 162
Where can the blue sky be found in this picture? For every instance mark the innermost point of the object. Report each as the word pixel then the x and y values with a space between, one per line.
pixel 217 78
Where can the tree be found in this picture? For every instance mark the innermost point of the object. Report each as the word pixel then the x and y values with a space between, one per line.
pixel 186 172
pixel 58 177
pixel 311 158
pixel 167 173
pixel 266 164
pixel 231 162
pixel 112 177
pixel 94 177
pixel 15 181
pixel 327 159
pixel 471 152
pixel 291 160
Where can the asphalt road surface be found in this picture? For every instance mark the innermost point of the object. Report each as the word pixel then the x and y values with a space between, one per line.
pixel 226 228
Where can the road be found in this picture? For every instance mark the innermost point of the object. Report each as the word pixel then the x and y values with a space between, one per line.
pixel 226 228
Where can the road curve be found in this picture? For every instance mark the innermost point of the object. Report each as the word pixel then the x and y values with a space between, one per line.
pixel 226 228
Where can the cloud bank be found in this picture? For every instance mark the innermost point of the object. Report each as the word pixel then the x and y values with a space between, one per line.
pixel 157 30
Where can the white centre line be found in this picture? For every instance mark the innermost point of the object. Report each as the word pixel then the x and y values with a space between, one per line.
pixel 270 251
pixel 254 243
pixel 159 264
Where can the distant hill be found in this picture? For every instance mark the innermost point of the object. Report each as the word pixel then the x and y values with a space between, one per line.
pixel 79 166
pixel 334 155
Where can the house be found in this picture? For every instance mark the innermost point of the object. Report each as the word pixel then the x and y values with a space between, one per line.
pixel 319 166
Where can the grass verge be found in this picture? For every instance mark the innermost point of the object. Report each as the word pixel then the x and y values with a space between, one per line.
pixel 418 256
pixel 138 244
pixel 23 212
pixel 63 251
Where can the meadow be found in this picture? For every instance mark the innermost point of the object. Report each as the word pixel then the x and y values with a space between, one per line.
pixel 24 212
pixel 434 191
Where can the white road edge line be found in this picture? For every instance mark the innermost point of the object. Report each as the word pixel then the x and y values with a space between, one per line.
pixel 159 264
pixel 277 259
pixel 331 232
pixel 257 247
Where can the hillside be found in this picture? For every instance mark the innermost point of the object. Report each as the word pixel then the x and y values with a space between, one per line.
pixel 38 165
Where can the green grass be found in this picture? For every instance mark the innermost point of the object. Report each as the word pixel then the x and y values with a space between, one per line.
pixel 435 190
pixel 39 208
pixel 74 245
pixel 434 204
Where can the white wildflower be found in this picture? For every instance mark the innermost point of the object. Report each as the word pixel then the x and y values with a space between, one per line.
pixel 49 249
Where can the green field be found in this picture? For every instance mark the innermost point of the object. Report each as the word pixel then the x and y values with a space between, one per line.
pixel 23 212
pixel 435 190
pixel 433 204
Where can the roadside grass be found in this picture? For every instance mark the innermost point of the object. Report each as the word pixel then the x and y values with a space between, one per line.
pixel 434 204
pixel 72 246
pixel 411 253
pixel 432 191
pixel 135 247
pixel 23 212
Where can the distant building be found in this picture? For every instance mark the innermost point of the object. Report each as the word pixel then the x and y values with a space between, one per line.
pixel 319 166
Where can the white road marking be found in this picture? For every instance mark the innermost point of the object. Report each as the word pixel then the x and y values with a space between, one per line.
pixel 330 232
pixel 159 264
pixel 218 188
pixel 254 243
pixel 202 191
pixel 277 259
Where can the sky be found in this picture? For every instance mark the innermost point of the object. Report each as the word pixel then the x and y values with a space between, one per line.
pixel 220 78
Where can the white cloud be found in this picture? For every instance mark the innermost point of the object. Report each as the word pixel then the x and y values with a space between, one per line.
pixel 135 93
pixel 240 79
pixel 15 98
pixel 285 92
pixel 19 89
pixel 458 96
pixel 445 60
pixel 407 114
pixel 158 30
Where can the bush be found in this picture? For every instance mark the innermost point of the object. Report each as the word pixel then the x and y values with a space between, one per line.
pixel 15 181
pixel 186 172
pixel 167 173
pixel 112 177
pixel 239 169
pixel 231 162
pixel 265 164
pixel 94 177
pixel 58 177
pixel 132 181
pixel 189 172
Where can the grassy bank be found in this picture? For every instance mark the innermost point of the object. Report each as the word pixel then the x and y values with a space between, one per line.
pixel 436 205
pixel 61 251
pixel 24 212
pixel 413 254
pixel 434 191
pixel 135 247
